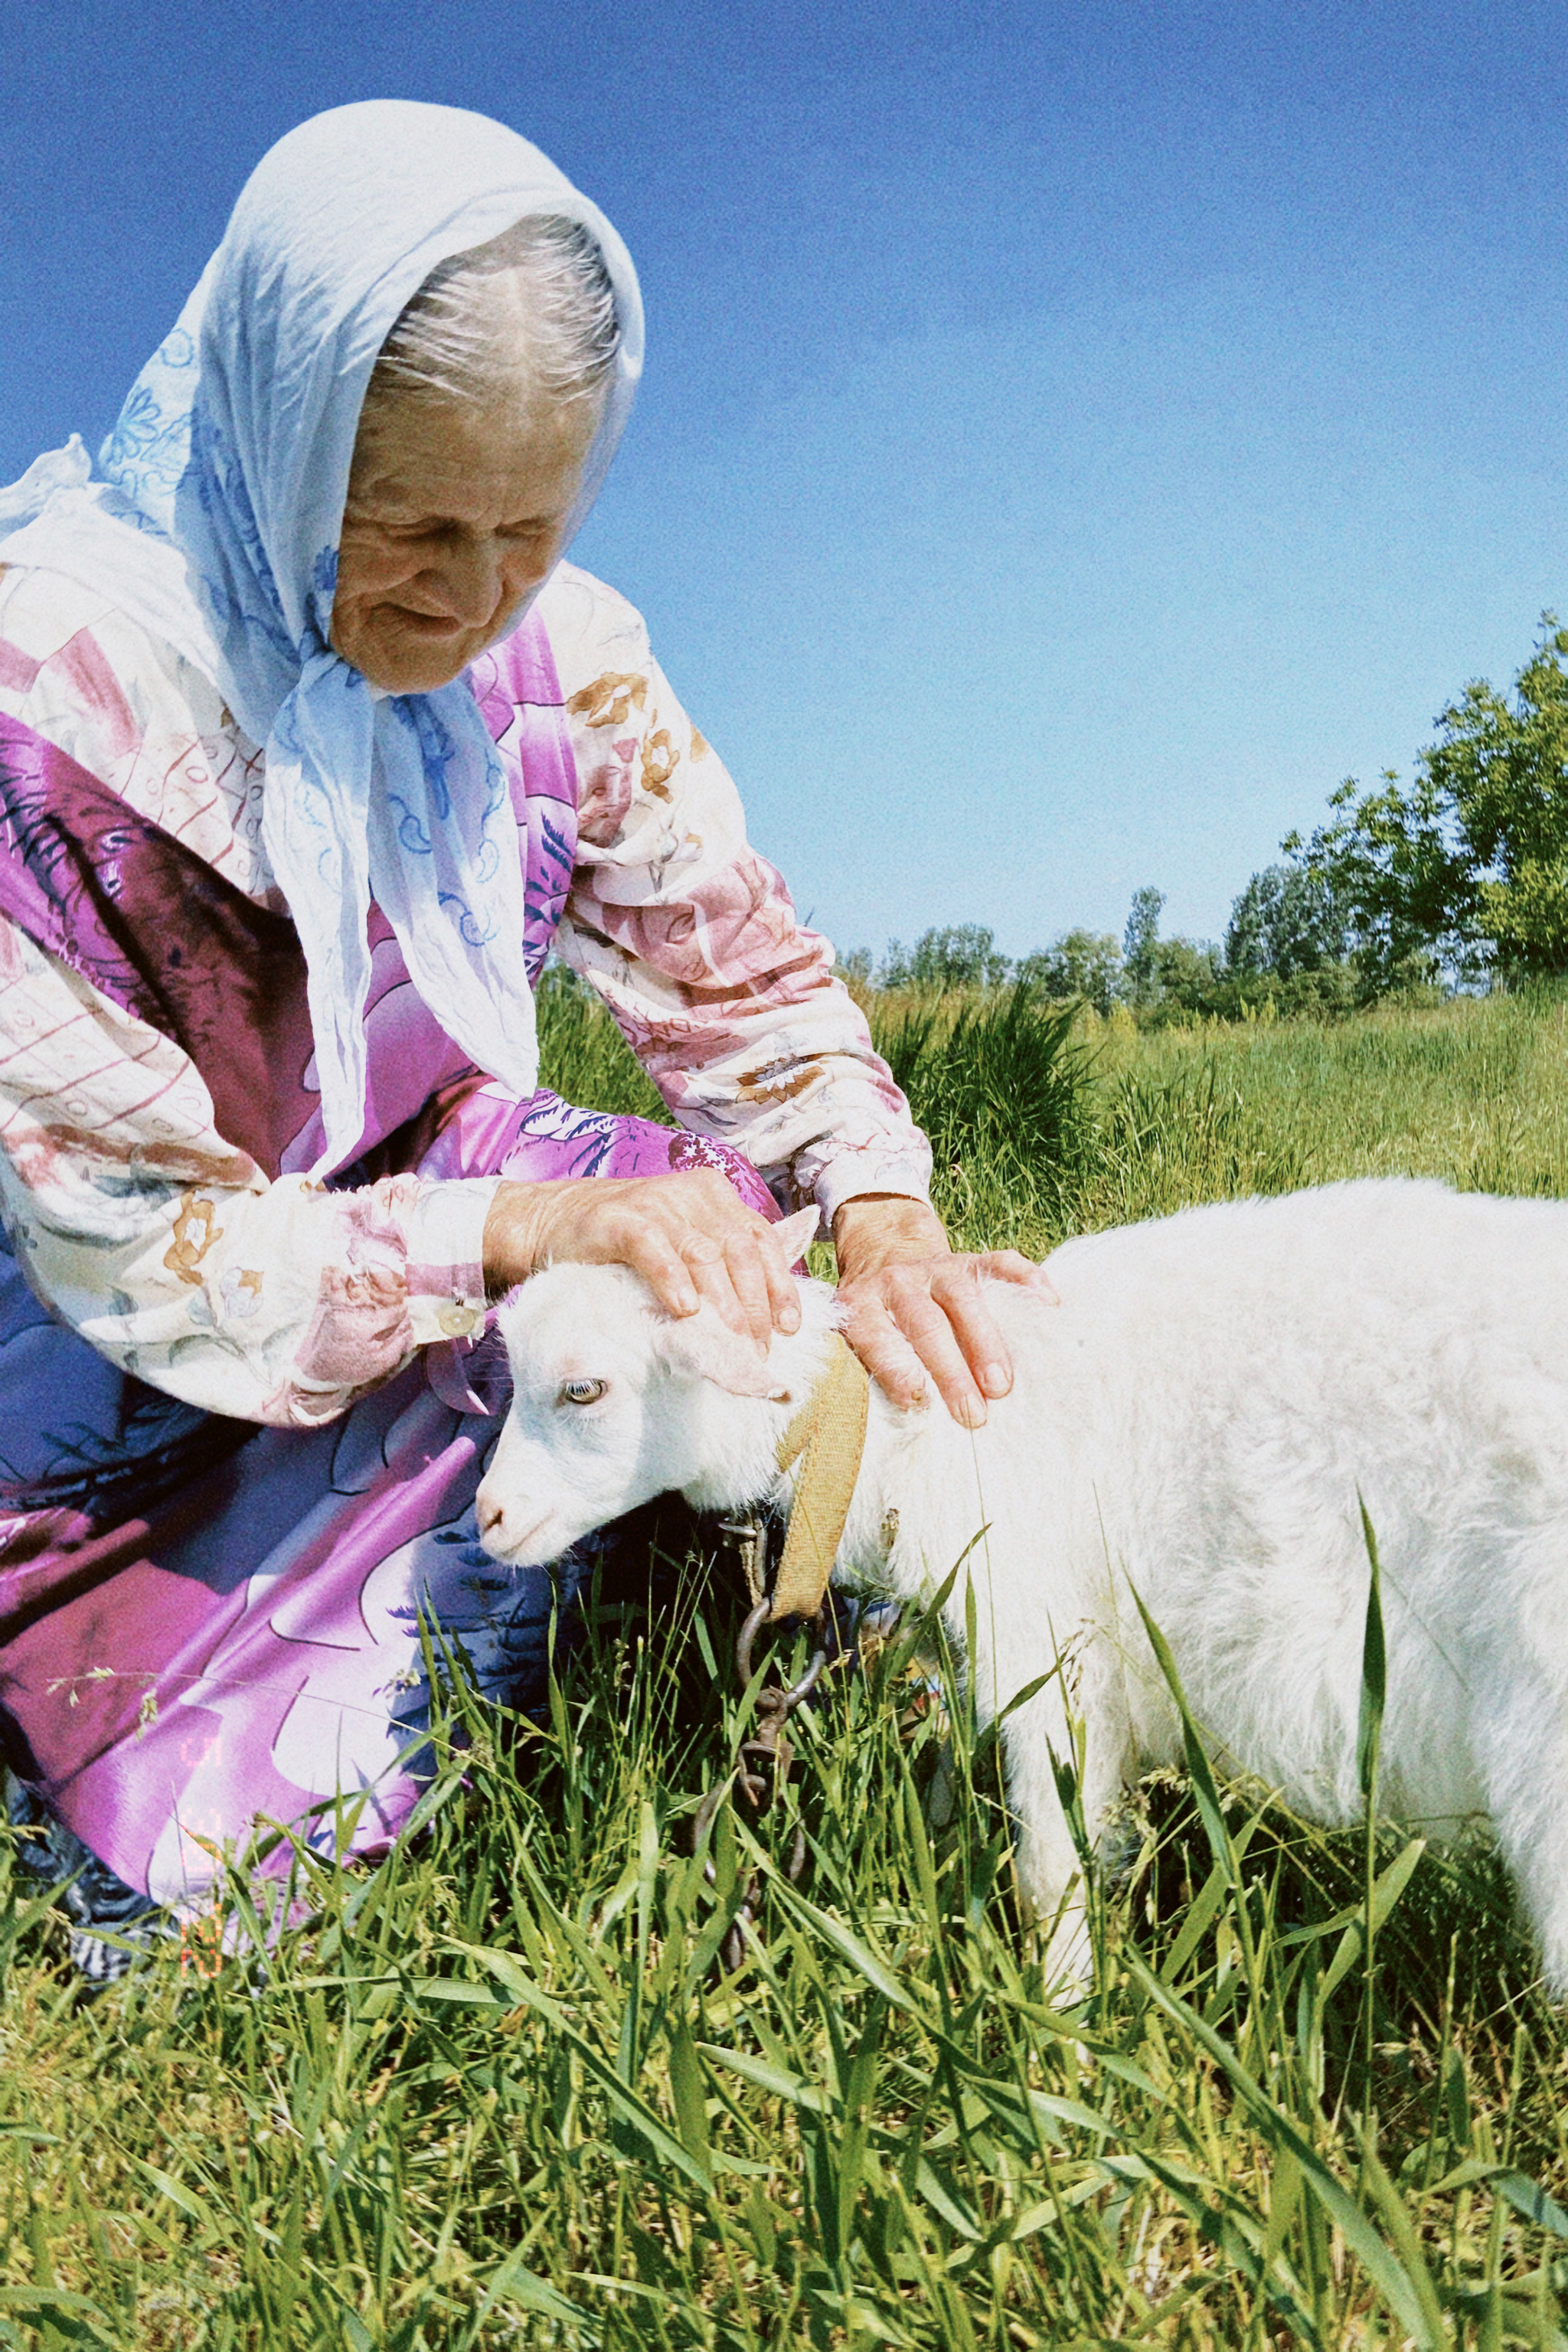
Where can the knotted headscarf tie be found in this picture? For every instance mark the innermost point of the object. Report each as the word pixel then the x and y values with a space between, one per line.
pixel 215 521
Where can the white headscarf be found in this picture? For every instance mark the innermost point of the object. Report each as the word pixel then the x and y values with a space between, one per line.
pixel 216 524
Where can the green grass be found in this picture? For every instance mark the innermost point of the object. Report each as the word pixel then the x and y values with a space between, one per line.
pixel 1142 1123
pixel 582 1054
pixel 1475 1091
pixel 500 2094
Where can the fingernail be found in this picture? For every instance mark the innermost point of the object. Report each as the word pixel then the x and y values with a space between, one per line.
pixel 789 1317
pixel 972 1412
pixel 993 1380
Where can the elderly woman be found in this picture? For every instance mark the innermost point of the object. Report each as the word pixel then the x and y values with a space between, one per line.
pixel 310 748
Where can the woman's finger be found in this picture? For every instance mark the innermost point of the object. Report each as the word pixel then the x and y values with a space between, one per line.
pixel 902 1295
pixel 744 1257
pixel 710 1266
pixel 784 1293
pixel 664 1266
pixel 1012 1265
pixel 959 1295
pixel 884 1351
pixel 650 1252
pixel 927 1325
pixel 738 1262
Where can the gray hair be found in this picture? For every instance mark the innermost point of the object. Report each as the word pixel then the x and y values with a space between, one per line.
pixel 530 316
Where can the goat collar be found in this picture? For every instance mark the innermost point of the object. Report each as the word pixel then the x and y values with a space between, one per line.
pixel 828 1437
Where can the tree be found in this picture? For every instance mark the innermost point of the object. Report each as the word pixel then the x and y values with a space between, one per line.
pixel 1081 963
pixel 1467 865
pixel 1504 774
pixel 1387 859
pixel 1286 920
pixel 963 955
pixel 1140 942
pixel 1186 975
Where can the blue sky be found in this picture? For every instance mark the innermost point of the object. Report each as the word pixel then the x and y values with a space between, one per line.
pixel 1074 437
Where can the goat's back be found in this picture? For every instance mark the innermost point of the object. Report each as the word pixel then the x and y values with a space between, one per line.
pixel 1211 1401
pixel 1368 1298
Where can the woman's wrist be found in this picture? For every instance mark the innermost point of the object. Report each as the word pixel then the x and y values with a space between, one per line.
pixel 877 1229
pixel 688 1234
pixel 516 1236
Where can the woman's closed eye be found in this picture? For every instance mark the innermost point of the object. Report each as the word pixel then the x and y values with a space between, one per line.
pixel 450 530
pixel 581 1392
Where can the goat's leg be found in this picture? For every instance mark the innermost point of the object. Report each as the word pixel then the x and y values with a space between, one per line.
pixel 1521 1749
pixel 1085 1696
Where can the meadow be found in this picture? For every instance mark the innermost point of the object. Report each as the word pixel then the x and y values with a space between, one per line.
pixel 502 2090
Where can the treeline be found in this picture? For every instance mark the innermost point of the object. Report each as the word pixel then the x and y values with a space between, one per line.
pixel 1458 878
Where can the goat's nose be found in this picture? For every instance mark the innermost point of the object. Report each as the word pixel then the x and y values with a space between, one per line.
pixel 490 1514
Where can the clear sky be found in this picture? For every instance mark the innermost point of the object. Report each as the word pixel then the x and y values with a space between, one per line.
pixel 1074 437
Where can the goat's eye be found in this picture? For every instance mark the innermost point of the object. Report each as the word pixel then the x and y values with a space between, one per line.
pixel 581 1392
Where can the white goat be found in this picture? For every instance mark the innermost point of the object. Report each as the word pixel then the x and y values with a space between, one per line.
pixel 1196 1419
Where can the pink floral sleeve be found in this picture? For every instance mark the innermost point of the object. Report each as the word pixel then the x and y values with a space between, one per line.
pixel 136 1222
pixel 692 941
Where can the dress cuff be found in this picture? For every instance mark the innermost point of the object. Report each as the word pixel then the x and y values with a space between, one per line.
pixel 854 1171
pixel 445 1229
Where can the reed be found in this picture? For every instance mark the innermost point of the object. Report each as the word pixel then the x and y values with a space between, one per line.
pixel 501 2092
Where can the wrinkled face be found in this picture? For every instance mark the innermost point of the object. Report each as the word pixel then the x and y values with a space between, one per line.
pixel 453 514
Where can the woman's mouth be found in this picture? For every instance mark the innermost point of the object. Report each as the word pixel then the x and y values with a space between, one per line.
pixel 423 624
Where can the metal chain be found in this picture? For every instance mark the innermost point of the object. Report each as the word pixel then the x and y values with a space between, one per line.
pixel 761 1764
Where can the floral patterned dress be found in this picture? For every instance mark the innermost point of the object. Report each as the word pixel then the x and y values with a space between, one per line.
pixel 243 1414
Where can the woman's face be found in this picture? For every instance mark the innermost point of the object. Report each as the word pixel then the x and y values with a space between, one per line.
pixel 453 514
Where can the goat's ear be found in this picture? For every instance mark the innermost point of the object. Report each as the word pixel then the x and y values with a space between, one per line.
pixel 702 1347
pixel 797 1232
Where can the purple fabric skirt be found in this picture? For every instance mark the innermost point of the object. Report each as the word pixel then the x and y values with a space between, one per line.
pixel 249 1651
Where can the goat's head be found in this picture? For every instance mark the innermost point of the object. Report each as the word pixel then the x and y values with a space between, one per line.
pixel 614 1402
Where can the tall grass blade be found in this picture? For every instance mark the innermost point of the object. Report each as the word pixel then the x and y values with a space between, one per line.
pixel 495 2089
pixel 1380 2264
pixel 1204 1787
pixel 1373 1672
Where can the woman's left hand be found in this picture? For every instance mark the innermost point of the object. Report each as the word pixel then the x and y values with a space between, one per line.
pixel 913 1306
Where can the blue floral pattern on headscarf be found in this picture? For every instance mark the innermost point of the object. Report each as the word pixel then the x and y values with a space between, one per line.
pixel 216 524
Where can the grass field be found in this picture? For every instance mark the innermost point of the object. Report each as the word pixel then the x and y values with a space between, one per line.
pixel 500 2094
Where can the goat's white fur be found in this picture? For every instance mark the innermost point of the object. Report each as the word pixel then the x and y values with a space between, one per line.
pixel 1198 1419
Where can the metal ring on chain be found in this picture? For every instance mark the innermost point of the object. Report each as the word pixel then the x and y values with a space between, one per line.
pixel 761 1762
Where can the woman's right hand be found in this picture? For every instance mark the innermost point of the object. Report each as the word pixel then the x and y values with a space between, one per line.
pixel 689 1235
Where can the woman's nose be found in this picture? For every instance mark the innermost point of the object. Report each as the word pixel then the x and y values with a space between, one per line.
pixel 472 579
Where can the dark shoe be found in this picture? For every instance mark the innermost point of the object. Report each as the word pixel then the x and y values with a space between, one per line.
pixel 98 1904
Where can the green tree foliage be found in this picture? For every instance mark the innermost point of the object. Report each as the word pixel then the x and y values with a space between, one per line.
pixel 959 955
pixel 1467 865
pixel 1286 921
pixel 1186 975
pixel 1388 858
pixel 1081 963
pixel 1141 941
pixel 1504 773
pixel 1166 979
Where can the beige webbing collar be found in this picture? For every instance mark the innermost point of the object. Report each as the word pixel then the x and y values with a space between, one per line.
pixel 827 1436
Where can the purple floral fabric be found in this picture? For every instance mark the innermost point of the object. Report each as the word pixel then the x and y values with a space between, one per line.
pixel 202 1627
